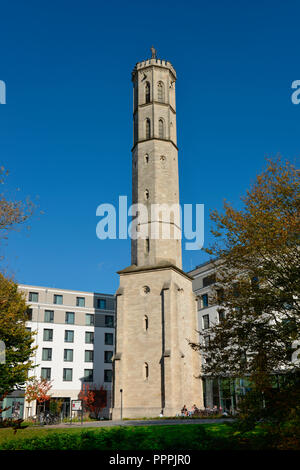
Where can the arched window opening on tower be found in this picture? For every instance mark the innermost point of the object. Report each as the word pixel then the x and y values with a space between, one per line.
pixel 161 130
pixel 160 92
pixel 146 158
pixel 146 323
pixel 147 92
pixel 147 194
pixel 148 128
pixel 146 371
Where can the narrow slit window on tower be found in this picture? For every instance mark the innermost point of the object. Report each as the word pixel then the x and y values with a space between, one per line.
pixel 148 128
pixel 147 245
pixel 147 194
pixel 147 92
pixel 146 323
pixel 146 371
pixel 160 92
pixel 161 129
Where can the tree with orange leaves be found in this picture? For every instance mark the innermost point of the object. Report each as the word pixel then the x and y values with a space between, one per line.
pixel 94 399
pixel 38 390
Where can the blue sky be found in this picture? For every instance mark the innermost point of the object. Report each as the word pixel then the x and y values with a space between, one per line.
pixel 66 130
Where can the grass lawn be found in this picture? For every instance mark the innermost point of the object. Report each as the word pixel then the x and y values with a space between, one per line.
pixel 210 436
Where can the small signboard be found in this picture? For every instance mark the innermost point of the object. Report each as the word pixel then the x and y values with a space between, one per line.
pixel 76 405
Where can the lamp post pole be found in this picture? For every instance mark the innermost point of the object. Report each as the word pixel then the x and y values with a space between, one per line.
pixel 121 392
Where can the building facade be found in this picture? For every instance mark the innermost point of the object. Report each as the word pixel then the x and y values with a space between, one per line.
pixel 74 335
pixel 154 367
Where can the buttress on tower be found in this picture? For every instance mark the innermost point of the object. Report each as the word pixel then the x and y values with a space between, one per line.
pixel 154 367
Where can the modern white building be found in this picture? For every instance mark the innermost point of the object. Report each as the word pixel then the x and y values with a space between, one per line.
pixel 75 344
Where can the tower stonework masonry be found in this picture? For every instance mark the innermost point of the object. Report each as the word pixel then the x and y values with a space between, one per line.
pixel 154 367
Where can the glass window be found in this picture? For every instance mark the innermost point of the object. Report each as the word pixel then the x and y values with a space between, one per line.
pixel 70 318
pixel 101 303
pixel 88 375
pixel 46 373
pixel 67 375
pixel 88 356
pixel 49 316
pixel 107 375
pixel 80 301
pixel 89 337
pixel 221 314
pixel 208 280
pixel 109 338
pixel 57 299
pixel 108 356
pixel 89 319
pixel 33 297
pixel 47 354
pixel 204 299
pixel 109 321
pixel 69 336
pixel 68 355
pixel 48 335
pixel 205 322
pixel 29 314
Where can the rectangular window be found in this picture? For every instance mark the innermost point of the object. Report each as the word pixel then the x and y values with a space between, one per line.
pixel 206 341
pixel 108 356
pixel 88 356
pixel 46 373
pixel 109 321
pixel 205 319
pixel 49 316
pixel 204 299
pixel 70 318
pixel 33 297
pixel 47 354
pixel 29 314
pixel 80 301
pixel 68 355
pixel 48 335
pixel 28 329
pixel 107 375
pixel 221 314
pixel 109 338
pixel 69 336
pixel 101 303
pixel 89 319
pixel 220 295
pixel 88 375
pixel 208 280
pixel 57 299
pixel 89 337
pixel 67 375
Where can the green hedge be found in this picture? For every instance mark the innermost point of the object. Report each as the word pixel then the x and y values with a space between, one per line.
pixel 172 437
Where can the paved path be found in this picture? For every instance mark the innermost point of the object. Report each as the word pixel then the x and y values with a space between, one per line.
pixel 144 422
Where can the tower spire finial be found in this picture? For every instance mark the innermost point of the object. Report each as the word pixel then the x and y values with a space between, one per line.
pixel 153 52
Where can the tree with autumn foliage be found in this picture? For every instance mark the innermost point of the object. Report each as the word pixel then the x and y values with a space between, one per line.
pixel 256 256
pixel 94 399
pixel 38 390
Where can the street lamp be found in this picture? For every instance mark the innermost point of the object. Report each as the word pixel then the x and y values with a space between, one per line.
pixel 121 392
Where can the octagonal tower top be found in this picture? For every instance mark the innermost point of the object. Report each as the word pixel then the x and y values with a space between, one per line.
pixel 154 61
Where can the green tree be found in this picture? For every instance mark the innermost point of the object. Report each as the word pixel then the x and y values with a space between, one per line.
pixel 256 256
pixel 18 341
